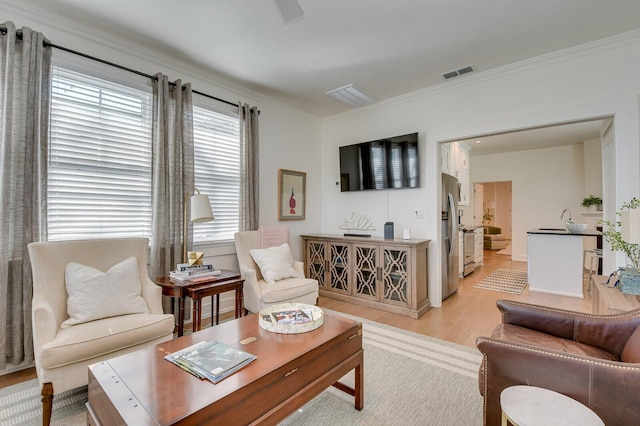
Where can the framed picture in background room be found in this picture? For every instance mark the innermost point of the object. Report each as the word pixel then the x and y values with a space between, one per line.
pixel 292 193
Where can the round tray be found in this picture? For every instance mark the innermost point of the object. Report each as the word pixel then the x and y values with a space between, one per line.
pixel 286 318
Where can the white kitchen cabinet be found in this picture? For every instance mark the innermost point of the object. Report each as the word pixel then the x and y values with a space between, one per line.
pixel 459 167
pixel 479 246
pixel 463 180
pixel 445 159
pixel 463 156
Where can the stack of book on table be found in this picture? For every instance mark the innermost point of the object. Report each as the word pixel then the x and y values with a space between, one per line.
pixel 210 360
pixel 194 273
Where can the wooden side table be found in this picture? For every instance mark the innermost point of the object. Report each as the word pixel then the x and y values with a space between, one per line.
pixel 226 281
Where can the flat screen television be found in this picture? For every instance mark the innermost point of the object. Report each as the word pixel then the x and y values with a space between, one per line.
pixel 388 163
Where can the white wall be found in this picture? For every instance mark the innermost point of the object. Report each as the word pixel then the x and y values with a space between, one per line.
pixel 593 168
pixel 591 81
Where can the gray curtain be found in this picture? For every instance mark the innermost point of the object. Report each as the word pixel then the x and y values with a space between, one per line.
pixel 173 171
pixel 249 168
pixel 25 85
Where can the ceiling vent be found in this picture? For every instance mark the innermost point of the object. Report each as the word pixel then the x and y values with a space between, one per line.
pixel 351 95
pixel 457 73
pixel 289 9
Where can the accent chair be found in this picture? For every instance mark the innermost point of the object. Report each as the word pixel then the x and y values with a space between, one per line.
pixel 68 338
pixel 258 293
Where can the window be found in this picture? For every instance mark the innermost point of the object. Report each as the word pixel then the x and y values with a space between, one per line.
pixel 217 172
pixel 99 178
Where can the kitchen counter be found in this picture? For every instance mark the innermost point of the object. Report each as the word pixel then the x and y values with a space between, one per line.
pixel 563 231
pixel 555 262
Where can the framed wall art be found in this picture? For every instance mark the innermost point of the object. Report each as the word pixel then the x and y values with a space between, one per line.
pixel 292 192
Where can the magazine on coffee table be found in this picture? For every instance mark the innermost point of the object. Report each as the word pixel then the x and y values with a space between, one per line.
pixel 292 316
pixel 213 360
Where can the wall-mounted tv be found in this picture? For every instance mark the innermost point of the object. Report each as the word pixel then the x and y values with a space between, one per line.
pixel 381 164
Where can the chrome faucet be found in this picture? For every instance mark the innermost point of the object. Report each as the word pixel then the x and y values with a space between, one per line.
pixel 570 215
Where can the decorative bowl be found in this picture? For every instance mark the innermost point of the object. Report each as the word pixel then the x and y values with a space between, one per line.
pixel 576 228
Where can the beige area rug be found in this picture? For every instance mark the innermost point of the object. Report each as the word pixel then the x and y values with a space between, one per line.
pixel 410 379
pixel 504 280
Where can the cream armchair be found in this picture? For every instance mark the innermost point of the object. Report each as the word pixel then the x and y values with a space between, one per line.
pixel 257 292
pixel 63 353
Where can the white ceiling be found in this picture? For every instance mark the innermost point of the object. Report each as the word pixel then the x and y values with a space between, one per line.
pixel 386 47
pixel 536 138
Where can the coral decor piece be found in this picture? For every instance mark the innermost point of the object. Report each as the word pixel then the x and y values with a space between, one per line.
pixel 357 225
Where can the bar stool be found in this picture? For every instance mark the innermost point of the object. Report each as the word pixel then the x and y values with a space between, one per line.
pixel 596 254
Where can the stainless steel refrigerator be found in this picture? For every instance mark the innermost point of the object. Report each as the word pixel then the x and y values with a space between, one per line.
pixel 449 245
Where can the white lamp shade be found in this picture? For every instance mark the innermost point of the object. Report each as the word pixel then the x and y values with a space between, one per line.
pixel 201 209
pixel 630 228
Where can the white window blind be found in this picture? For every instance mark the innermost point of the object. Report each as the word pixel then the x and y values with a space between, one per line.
pixel 99 182
pixel 217 172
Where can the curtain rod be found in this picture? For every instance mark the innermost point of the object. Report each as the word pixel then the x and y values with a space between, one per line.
pixel 3 30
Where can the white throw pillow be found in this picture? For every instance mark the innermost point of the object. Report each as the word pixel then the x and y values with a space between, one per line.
pixel 275 263
pixel 94 294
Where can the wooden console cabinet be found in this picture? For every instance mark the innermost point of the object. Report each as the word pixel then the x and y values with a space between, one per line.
pixel 610 300
pixel 385 274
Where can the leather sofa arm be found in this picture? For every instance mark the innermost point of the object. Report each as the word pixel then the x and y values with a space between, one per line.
pixel 556 322
pixel 607 332
pixel 607 387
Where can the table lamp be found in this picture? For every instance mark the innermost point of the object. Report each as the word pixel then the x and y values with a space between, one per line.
pixel 200 212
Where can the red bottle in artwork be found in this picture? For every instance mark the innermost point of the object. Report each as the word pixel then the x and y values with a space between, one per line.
pixel 292 203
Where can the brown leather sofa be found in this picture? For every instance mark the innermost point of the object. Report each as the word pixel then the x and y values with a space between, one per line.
pixel 594 359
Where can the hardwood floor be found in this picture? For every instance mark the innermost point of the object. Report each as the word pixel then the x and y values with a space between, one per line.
pixel 463 317
pixel 469 313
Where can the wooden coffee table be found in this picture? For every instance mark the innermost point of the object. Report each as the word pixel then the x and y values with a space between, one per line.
pixel 142 388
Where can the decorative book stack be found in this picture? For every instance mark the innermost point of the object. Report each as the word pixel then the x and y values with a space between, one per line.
pixel 194 273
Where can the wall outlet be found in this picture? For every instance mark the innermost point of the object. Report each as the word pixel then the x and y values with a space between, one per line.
pixel 418 213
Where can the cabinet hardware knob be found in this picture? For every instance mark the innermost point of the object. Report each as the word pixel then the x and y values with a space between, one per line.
pixel 353 336
pixel 291 372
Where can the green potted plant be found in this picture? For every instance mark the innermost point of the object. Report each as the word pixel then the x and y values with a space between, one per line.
pixel 629 275
pixel 592 202
pixel 487 218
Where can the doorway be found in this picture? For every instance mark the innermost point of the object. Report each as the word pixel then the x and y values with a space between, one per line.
pixel 551 168
pixel 495 199
pixel 496 206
